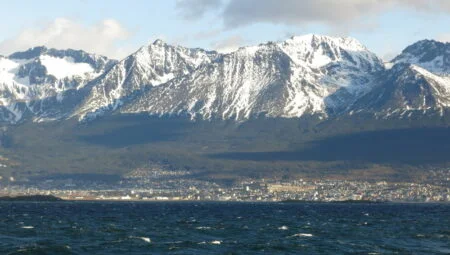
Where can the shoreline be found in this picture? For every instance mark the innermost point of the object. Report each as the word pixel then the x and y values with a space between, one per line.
pixel 50 198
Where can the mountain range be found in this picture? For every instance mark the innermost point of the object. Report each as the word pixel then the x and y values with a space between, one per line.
pixel 302 76
pixel 316 84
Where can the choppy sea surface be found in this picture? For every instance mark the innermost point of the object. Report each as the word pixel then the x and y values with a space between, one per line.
pixel 223 228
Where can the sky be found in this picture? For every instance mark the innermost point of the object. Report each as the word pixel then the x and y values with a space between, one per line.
pixel 117 28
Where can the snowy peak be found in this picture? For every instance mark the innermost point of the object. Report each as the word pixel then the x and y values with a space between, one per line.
pixel 149 66
pixel 162 61
pixel 431 55
pixel 337 62
pixel 318 51
pixel 302 76
pixel 159 42
pixel 342 68
pixel 237 86
pixel 348 43
pixel 406 89
pixel 418 81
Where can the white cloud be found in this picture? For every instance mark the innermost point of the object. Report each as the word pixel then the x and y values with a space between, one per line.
pixel 207 34
pixel 426 5
pixel 294 12
pixel 339 15
pixel 444 37
pixel 196 9
pixel 388 56
pixel 62 33
pixel 230 44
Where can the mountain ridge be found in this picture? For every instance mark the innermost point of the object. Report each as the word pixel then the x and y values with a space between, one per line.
pixel 301 76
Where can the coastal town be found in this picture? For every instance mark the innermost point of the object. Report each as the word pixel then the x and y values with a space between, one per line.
pixel 156 183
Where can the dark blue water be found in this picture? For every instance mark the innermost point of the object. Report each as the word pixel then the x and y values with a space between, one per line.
pixel 223 228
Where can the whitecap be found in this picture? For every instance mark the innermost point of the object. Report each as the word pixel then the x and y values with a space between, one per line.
pixel 302 235
pixel 143 238
pixel 28 227
pixel 203 228
pixel 216 242
pixel 146 239
pixel 283 228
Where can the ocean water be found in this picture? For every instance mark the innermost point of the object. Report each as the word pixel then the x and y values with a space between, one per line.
pixel 222 228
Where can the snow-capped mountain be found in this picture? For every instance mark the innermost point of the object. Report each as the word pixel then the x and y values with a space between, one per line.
pixel 406 89
pixel 31 78
pixel 432 56
pixel 308 75
pixel 418 82
pixel 286 79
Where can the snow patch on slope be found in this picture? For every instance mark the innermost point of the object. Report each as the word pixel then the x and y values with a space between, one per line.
pixel 162 79
pixel 434 65
pixel 64 67
pixel 428 74
pixel 8 69
pixel 440 84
